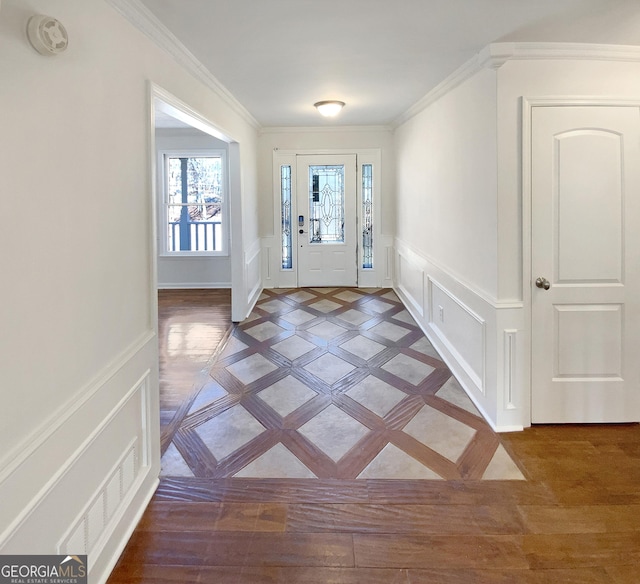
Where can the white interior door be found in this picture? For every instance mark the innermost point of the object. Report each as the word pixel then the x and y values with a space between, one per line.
pixel 326 231
pixel 585 264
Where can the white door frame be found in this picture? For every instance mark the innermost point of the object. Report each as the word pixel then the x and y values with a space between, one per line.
pixel 367 278
pixel 528 103
pixel 160 99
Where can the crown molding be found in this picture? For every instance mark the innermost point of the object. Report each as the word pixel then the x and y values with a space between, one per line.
pixel 495 55
pixel 322 129
pixel 145 21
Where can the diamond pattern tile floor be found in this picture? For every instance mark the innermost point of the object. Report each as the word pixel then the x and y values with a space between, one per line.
pixel 333 383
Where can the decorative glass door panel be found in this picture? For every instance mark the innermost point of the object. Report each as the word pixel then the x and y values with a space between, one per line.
pixel 327 220
pixel 326 204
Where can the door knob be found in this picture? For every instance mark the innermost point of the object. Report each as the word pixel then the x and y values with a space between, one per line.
pixel 543 283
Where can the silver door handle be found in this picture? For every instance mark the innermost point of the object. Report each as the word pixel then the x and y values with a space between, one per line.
pixel 543 283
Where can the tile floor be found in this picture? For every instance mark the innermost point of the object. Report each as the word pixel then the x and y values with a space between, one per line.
pixel 332 383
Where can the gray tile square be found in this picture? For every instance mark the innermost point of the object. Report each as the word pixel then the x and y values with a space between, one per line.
pixel 325 305
pixel 334 432
pixel 298 316
pixel 440 432
pixel 326 330
pixel 229 431
pixel 286 395
pixel 251 368
pixel 293 347
pixel 264 331
pixel 329 368
pixel 408 368
pixel 354 317
pixel 376 395
pixel 390 331
pixel 363 347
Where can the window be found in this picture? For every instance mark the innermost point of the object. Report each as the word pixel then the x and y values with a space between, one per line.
pixel 285 214
pixel 194 210
pixel 367 216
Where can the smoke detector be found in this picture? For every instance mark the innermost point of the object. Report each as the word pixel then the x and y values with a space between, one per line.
pixel 47 35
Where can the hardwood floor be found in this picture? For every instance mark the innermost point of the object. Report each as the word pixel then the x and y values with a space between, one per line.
pixel 576 519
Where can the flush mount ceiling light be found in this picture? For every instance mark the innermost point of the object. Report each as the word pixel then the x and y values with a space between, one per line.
pixel 329 108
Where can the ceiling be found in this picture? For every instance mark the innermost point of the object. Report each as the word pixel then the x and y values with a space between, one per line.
pixel 278 57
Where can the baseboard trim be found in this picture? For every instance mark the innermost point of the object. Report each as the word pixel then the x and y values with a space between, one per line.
pixel 194 285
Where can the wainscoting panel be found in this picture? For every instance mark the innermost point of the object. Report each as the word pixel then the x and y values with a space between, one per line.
pixel 474 334
pixel 461 330
pixel 82 484
pixel 253 274
pixel 410 280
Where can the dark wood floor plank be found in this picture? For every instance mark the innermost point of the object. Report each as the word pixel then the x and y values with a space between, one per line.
pixel 582 550
pixel 576 520
pixel 456 551
pixel 505 576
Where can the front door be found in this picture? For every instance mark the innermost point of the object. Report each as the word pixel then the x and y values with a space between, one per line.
pixel 326 227
pixel 585 264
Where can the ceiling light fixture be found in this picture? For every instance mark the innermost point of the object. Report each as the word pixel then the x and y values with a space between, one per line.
pixel 329 108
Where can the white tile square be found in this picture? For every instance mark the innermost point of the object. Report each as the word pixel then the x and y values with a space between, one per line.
pixel 325 305
pixel 426 348
pixel 354 317
pixel 274 305
pixel 379 306
pixel 276 463
pixel 390 331
pixel 327 330
pixel 229 431
pixel 301 296
pixel 264 331
pixel 334 432
pixel 442 433
pixel 293 347
pixel 329 368
pixel 408 368
pixel 251 368
pixel 363 347
pixel 349 296
pixel 298 316
pixel 376 395
pixel 287 395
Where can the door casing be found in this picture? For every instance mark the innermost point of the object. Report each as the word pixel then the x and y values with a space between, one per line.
pixel 274 276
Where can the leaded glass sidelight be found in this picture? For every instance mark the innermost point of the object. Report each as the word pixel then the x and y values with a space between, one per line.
pixel 367 216
pixel 326 204
pixel 285 211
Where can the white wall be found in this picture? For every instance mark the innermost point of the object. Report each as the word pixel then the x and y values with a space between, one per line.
pixel 446 190
pixel 446 264
pixel 79 416
pixel 462 257
pixel 198 271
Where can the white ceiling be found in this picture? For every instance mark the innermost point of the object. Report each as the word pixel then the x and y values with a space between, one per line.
pixel 278 57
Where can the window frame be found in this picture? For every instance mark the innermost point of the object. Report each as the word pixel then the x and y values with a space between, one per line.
pixel 163 211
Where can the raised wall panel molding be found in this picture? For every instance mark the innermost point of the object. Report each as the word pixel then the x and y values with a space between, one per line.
pixel 495 55
pixel 407 250
pixel 136 457
pixel 509 345
pixel 253 274
pixel 477 372
pixel 145 21
pixel 57 419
